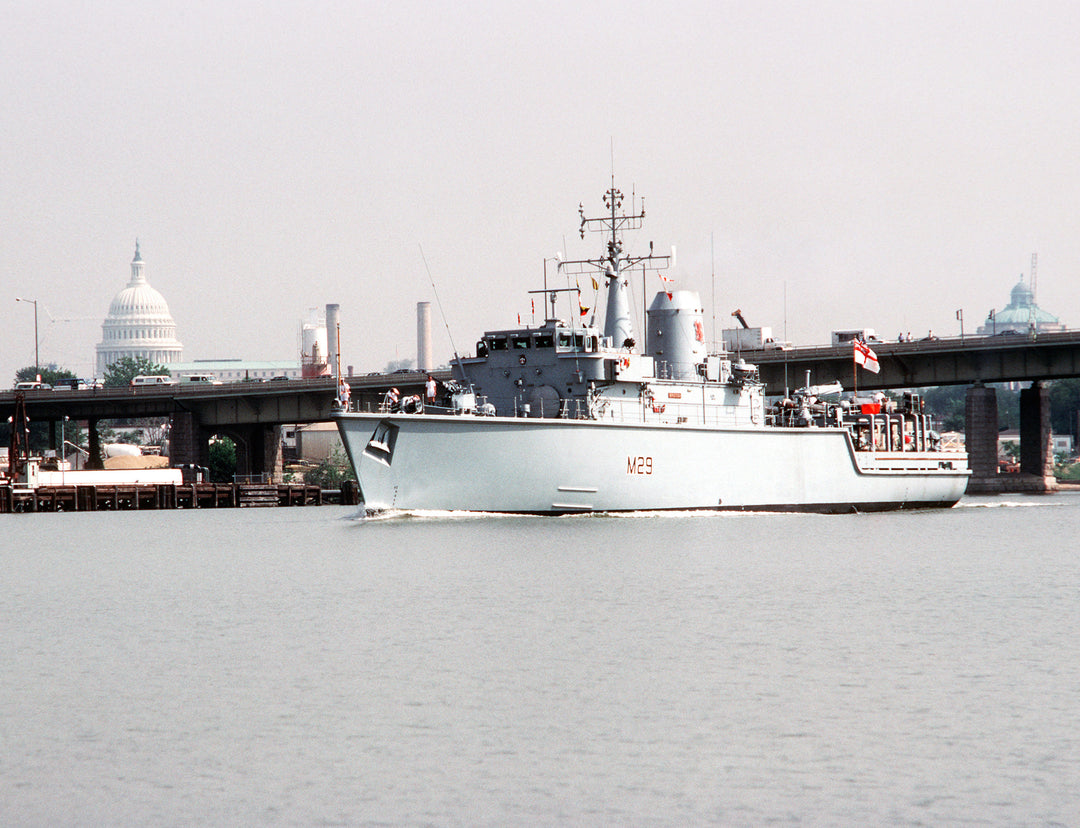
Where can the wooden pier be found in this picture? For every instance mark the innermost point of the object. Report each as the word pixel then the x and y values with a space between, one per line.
pixel 118 497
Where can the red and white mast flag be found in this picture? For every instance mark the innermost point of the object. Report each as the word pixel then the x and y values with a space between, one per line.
pixel 866 357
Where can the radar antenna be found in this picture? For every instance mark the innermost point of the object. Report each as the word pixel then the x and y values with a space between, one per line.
pixel 615 263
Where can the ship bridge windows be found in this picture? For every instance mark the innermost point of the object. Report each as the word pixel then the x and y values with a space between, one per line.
pixel 576 342
pixel 481 348
pixel 543 340
pixel 519 342
pixel 497 343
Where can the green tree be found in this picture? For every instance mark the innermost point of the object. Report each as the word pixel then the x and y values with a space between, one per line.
pixel 39 431
pixel 1064 405
pixel 222 460
pixel 1008 408
pixel 49 373
pixel 1068 471
pixel 120 372
pixel 947 404
pixel 330 473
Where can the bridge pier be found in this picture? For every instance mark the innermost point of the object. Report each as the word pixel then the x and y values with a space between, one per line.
pixel 93 458
pixel 273 464
pixel 981 439
pixel 188 443
pixel 243 439
pixel 1036 447
pixel 258 451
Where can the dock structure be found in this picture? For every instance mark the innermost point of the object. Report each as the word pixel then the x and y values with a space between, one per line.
pixel 131 497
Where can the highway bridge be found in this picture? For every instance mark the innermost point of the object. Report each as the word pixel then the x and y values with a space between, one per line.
pixel 973 361
pixel 928 362
pixel 251 412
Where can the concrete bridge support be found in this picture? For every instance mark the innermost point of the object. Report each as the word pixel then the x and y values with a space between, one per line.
pixel 1036 445
pixel 981 439
pixel 1036 448
pixel 189 444
pixel 273 464
pixel 94 460
pixel 258 451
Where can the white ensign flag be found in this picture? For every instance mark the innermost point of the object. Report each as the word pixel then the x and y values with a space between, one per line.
pixel 865 357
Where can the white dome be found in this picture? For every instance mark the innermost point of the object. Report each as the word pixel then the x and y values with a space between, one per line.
pixel 140 301
pixel 138 325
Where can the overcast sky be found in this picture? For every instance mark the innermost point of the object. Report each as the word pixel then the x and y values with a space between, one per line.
pixel 877 164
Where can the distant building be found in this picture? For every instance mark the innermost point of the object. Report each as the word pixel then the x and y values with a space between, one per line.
pixel 138 325
pixel 1061 443
pixel 316 442
pixel 236 370
pixel 1021 315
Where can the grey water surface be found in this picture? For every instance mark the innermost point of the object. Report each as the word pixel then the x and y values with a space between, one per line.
pixel 298 666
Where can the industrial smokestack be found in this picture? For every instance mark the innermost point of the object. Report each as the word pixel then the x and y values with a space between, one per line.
pixel 423 336
pixel 333 319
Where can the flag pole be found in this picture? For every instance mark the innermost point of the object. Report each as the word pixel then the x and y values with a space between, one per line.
pixel 855 371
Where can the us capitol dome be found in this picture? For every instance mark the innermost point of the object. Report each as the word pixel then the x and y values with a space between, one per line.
pixel 1021 315
pixel 138 325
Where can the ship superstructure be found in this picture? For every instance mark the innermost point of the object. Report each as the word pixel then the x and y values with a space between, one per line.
pixel 568 416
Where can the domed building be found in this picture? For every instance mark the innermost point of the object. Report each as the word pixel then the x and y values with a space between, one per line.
pixel 138 325
pixel 1021 315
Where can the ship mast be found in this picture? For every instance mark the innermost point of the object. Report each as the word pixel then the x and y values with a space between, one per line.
pixel 615 265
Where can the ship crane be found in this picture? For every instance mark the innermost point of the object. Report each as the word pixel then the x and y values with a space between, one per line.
pixel 737 313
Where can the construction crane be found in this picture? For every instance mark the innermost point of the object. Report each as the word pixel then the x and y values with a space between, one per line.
pixel 1034 278
pixel 1032 321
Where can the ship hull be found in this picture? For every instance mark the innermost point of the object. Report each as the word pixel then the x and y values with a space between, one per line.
pixel 546 466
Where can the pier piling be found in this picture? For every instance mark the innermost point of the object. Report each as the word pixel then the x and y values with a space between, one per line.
pixel 98 498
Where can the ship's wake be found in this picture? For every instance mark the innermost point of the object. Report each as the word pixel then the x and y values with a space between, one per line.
pixel 1036 502
pixel 417 515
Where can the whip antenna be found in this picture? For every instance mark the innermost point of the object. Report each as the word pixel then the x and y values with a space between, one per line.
pixel 438 302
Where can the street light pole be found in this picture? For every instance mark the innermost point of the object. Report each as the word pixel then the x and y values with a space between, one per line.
pixel 63 448
pixel 37 359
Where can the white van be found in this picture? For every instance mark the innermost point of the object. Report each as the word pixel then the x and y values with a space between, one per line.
pixel 862 334
pixel 207 379
pixel 72 384
pixel 155 379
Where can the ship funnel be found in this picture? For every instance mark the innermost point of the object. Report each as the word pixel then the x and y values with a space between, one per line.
pixel 617 324
pixel 676 334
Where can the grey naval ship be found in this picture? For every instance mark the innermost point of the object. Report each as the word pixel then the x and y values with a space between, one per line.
pixel 566 417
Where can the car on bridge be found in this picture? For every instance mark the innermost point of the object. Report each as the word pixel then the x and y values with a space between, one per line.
pixel 205 379
pixel 73 384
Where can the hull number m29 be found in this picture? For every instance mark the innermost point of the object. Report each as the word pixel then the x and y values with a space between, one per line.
pixel 639 465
